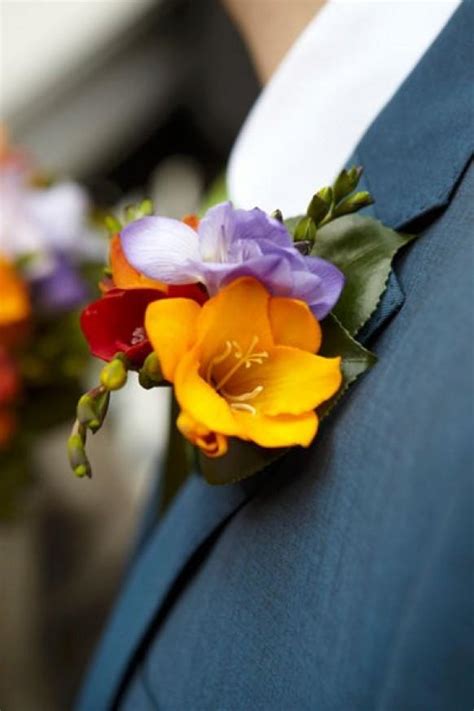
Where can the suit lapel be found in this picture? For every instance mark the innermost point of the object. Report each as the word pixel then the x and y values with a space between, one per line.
pixel 416 150
pixel 413 155
pixel 196 512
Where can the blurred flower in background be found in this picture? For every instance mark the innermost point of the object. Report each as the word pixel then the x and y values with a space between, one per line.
pixel 47 249
pixel 14 313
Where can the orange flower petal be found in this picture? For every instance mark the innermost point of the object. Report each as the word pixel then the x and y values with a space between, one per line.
pixel 293 381
pixel 171 326
pixel 294 325
pixel 279 431
pixel 14 298
pixel 200 400
pixel 191 221
pixel 124 275
pixel 211 443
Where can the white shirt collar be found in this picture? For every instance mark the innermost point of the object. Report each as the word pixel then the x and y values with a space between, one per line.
pixel 331 85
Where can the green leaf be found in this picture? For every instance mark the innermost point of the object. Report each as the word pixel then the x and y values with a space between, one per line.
pixel 242 460
pixel 363 249
pixel 355 358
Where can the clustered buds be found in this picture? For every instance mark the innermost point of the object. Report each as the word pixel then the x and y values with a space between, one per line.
pixel 91 411
pixel 92 407
pixel 328 204
pixel 114 225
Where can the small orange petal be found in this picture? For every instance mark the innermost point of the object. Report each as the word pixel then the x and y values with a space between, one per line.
pixel 213 444
pixel 124 275
pixel 191 221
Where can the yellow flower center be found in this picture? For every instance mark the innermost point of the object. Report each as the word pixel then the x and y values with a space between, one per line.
pixel 236 359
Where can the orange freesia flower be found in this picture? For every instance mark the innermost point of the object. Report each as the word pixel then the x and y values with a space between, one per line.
pixel 243 365
pixel 14 299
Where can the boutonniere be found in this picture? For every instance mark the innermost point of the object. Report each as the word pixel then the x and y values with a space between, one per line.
pixel 250 318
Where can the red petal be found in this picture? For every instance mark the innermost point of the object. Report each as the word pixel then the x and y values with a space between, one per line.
pixel 109 323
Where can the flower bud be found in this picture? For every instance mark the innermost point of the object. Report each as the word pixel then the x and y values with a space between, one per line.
pixel 77 453
pixel 353 203
pixel 346 182
pixel 150 376
pixel 305 230
pixel 146 207
pixel 320 205
pixel 135 212
pixel 354 174
pixel 326 195
pixel 92 408
pixel 114 374
pixel 112 225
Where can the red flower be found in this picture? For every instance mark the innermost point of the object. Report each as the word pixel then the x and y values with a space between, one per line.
pixel 115 323
pixel 9 391
pixel 9 378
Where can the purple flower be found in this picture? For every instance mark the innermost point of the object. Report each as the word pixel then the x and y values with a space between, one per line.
pixel 231 243
pixel 37 221
pixel 61 288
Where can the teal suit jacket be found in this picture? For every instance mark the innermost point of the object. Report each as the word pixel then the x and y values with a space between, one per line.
pixel 340 577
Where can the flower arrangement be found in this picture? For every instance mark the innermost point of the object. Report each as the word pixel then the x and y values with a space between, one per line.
pixel 46 249
pixel 249 317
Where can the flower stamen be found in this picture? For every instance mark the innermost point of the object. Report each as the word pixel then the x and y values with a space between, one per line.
pixel 245 396
pixel 243 407
pixel 138 336
pixel 244 360
pixel 218 359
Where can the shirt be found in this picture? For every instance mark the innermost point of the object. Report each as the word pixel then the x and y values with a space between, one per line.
pixel 343 69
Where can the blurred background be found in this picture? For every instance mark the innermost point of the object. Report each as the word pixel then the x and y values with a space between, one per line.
pixel 131 99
